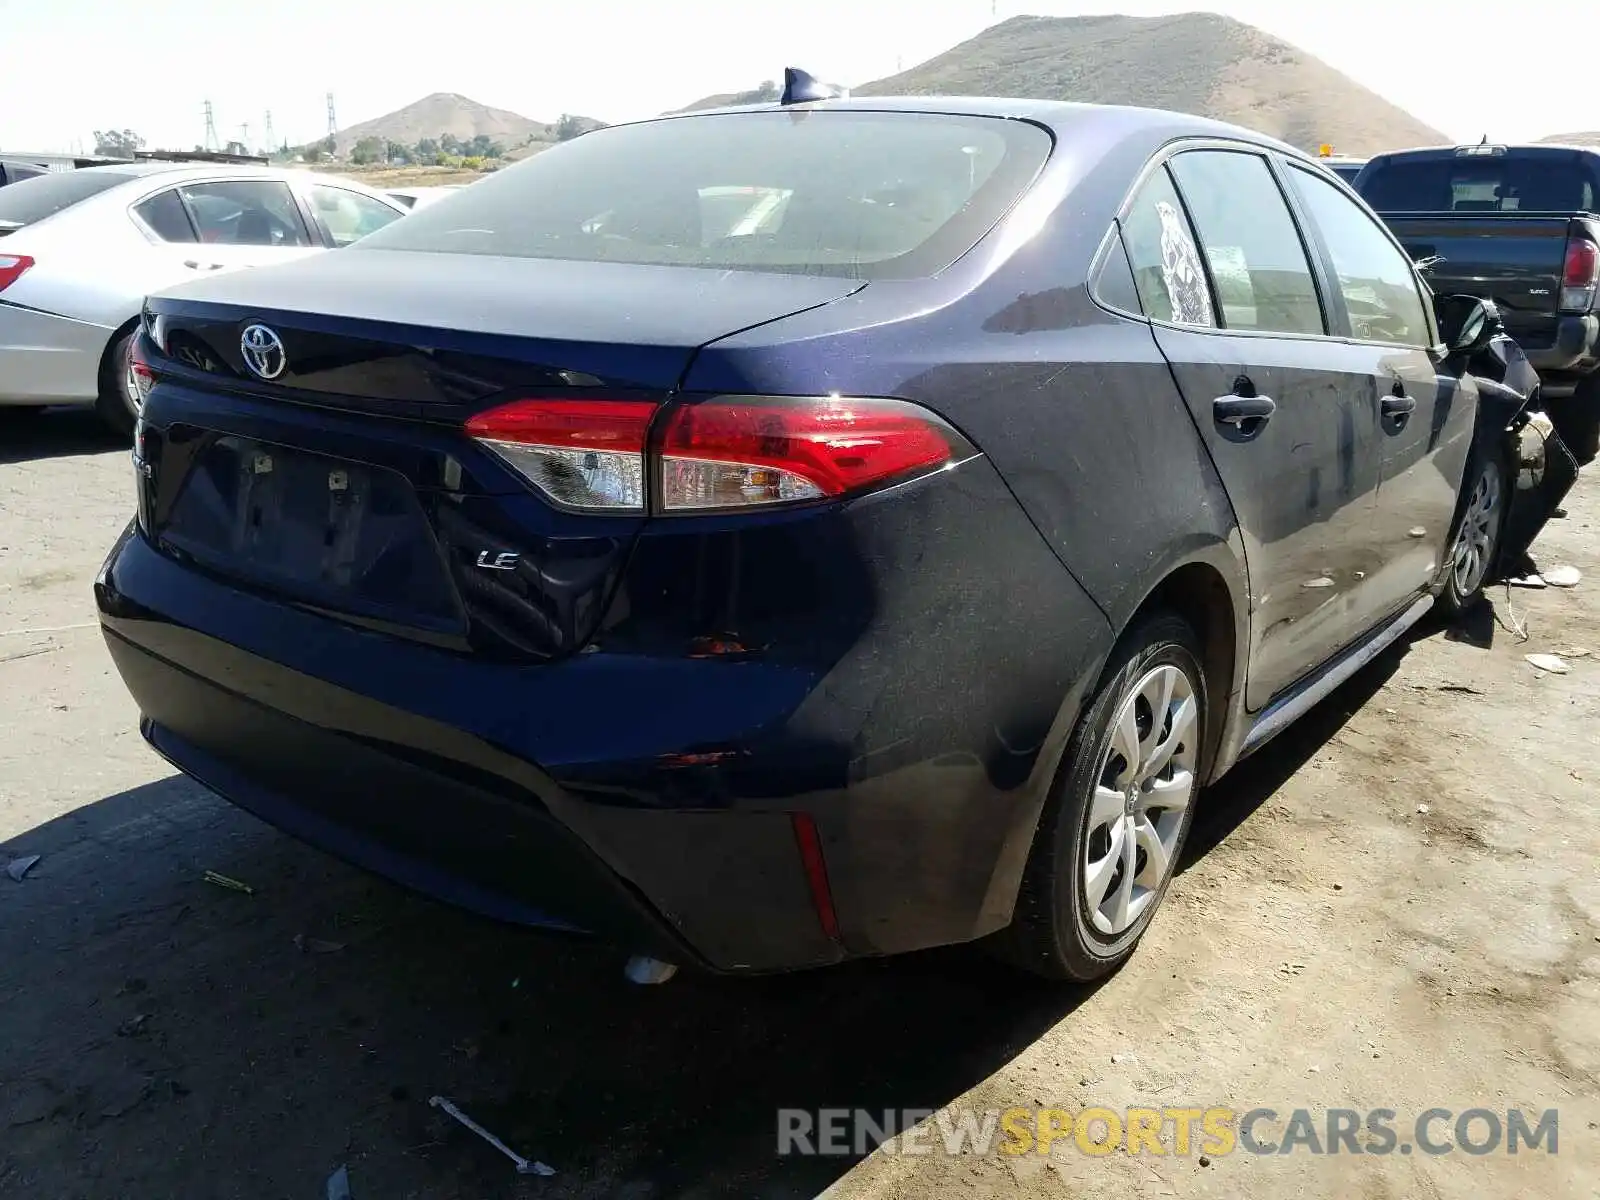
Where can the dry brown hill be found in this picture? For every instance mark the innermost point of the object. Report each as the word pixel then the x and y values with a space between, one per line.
pixel 447 112
pixel 1201 63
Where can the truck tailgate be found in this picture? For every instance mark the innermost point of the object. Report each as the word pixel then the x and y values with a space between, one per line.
pixel 1514 260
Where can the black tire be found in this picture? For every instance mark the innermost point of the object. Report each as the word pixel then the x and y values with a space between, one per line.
pixel 1052 932
pixel 1577 420
pixel 1490 477
pixel 113 403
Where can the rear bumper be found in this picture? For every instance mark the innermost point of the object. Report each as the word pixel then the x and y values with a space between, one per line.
pixel 1574 348
pixel 48 359
pixel 650 797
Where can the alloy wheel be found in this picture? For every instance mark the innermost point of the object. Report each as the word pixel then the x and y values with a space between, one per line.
pixel 1143 789
pixel 1480 526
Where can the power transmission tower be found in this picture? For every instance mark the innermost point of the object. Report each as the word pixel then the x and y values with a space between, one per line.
pixel 333 124
pixel 244 136
pixel 212 141
pixel 266 136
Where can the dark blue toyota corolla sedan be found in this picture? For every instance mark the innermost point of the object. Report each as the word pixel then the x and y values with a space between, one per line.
pixel 771 536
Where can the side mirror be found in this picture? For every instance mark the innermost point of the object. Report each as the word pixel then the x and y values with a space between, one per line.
pixel 1467 322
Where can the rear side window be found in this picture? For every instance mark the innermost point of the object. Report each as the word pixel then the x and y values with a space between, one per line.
pixel 870 195
pixel 348 216
pixel 1167 271
pixel 1250 242
pixel 30 200
pixel 165 217
pixel 1378 282
pixel 1480 183
pixel 251 212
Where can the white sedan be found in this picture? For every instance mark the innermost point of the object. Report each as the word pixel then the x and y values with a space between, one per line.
pixel 80 250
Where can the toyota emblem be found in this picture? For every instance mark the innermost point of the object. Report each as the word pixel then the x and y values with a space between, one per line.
pixel 263 352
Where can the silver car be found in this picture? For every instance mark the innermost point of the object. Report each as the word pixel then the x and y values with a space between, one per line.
pixel 80 250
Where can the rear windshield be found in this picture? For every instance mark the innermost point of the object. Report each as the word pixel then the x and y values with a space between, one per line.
pixel 1509 183
pixel 30 200
pixel 868 195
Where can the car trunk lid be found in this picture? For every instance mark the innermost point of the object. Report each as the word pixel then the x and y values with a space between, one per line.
pixel 326 463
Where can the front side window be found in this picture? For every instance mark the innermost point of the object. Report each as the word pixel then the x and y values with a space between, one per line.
pixel 1250 242
pixel 866 195
pixel 1167 271
pixel 1378 281
pixel 348 216
pixel 254 212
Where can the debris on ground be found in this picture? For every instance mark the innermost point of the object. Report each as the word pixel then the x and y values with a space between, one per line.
pixel 1548 662
pixel 19 867
pixel 311 945
pixel 133 1026
pixel 227 881
pixel 524 1166
pixel 1562 577
pixel 339 1184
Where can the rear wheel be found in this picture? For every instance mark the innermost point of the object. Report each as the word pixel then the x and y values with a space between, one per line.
pixel 1473 553
pixel 1111 833
pixel 118 402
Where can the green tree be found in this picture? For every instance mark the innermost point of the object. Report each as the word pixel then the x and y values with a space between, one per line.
pixel 395 152
pixel 428 149
pixel 450 144
pixel 368 150
pixel 117 143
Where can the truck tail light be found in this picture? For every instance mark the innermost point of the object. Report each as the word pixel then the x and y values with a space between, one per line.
pixel 1580 274
pixel 720 453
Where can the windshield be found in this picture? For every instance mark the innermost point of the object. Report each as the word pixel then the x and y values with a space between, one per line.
pixel 867 195
pixel 1504 183
pixel 30 200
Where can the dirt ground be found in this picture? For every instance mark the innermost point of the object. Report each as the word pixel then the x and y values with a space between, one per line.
pixel 1397 906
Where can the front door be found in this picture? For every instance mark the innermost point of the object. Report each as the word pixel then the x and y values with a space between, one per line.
pixel 1285 410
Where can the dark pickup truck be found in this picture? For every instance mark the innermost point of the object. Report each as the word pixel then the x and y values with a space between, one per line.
pixel 1516 225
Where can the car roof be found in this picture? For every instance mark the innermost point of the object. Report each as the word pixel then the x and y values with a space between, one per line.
pixel 1061 117
pixel 181 171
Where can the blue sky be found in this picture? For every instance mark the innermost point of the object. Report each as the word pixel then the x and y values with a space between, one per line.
pixel 71 66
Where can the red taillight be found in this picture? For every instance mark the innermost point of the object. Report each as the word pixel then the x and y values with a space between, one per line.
pixel 581 453
pixel 12 268
pixel 1579 275
pixel 726 452
pixel 1583 263
pixel 742 451
pixel 143 377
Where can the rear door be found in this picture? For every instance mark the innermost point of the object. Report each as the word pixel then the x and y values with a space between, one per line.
pixel 1286 411
pixel 1425 423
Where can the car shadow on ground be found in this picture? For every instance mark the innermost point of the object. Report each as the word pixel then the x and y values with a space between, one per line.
pixel 183 1038
pixel 54 433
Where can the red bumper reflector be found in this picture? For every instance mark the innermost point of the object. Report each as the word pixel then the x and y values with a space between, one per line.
pixel 805 836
